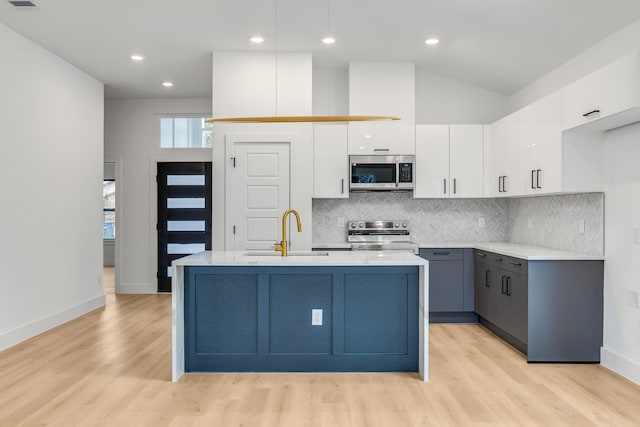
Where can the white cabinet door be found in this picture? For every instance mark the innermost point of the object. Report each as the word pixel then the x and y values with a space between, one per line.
pixel 466 160
pixel 528 140
pixel 381 138
pixel 330 161
pixel 497 157
pixel 546 172
pixel 610 90
pixel 432 161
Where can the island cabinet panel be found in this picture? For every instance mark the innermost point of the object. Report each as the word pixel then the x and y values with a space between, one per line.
pixel 291 299
pixel 366 328
pixel 550 310
pixel 260 318
pixel 225 302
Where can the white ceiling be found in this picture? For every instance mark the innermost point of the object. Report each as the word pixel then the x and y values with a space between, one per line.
pixel 501 45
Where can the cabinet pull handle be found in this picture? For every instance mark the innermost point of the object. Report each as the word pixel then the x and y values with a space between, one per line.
pixel 515 263
pixel 481 254
pixel 444 182
pixel 590 113
pixel 533 185
pixel 498 259
pixel 342 186
pixel 380 149
pixel 505 184
pixel 538 171
pixel 499 184
pixel 454 186
pixel 503 282
pixel 509 286
pixel 487 277
pixel 441 253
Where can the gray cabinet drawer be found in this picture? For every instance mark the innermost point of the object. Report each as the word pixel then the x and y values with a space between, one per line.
pixel 517 265
pixel 497 260
pixel 445 254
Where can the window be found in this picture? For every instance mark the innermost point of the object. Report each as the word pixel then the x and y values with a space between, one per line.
pixel 185 132
pixel 109 209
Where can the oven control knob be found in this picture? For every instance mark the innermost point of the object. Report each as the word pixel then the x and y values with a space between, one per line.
pixel 353 225
pixel 397 224
pixel 361 225
pixel 404 225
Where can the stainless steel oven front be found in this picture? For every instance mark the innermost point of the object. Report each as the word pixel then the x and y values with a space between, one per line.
pixel 382 173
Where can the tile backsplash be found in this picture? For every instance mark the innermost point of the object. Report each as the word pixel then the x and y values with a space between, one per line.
pixel 548 221
pixel 553 222
pixel 431 220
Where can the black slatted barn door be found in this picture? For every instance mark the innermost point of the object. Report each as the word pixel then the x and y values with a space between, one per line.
pixel 184 214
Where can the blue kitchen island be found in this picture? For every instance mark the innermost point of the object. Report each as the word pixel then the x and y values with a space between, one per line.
pixel 311 312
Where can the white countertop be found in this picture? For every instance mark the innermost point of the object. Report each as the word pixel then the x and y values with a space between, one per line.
pixel 531 253
pixel 267 258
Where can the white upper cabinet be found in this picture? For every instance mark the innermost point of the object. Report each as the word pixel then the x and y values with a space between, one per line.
pixel 505 152
pixel 381 138
pixel 543 149
pixel 466 168
pixel 449 161
pixel 605 99
pixel 530 155
pixel 330 161
pixel 432 161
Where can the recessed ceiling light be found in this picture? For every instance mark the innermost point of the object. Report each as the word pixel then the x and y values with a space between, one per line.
pixel 167 84
pixel 256 39
pixel 328 40
pixel 137 57
pixel 432 42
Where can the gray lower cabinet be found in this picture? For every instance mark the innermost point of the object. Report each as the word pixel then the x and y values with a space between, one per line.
pixel 550 310
pixel 451 292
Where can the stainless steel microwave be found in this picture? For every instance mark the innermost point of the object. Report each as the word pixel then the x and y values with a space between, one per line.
pixel 382 173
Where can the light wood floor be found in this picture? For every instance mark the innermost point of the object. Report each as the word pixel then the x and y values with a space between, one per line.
pixel 111 367
pixel 109 279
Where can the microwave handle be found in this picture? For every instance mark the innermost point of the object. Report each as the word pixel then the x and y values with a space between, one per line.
pixel 397 174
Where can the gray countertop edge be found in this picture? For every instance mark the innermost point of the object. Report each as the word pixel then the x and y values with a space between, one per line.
pixel 517 250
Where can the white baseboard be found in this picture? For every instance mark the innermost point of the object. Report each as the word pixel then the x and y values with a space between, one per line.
pixel 137 288
pixel 36 327
pixel 620 365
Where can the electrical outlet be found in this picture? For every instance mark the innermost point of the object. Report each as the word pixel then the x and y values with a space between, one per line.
pixel 316 317
pixel 632 298
pixel 340 221
pixel 581 226
pixel 99 279
pixel 481 222
pixel 529 223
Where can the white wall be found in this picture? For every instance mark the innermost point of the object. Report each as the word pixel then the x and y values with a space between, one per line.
pixel 621 349
pixel 606 51
pixel 443 100
pixel 330 91
pixel 132 141
pixel 382 88
pixel 51 131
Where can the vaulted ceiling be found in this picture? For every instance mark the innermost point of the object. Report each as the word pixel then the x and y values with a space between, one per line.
pixel 500 45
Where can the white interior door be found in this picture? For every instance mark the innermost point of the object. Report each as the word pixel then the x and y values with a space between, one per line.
pixel 261 193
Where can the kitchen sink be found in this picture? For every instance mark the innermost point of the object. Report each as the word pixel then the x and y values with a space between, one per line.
pixel 291 253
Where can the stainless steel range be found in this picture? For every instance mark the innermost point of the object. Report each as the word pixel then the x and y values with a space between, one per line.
pixel 386 235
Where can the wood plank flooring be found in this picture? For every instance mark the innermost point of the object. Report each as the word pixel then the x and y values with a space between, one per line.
pixel 111 367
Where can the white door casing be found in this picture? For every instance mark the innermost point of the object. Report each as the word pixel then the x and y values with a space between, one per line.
pixel 259 174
